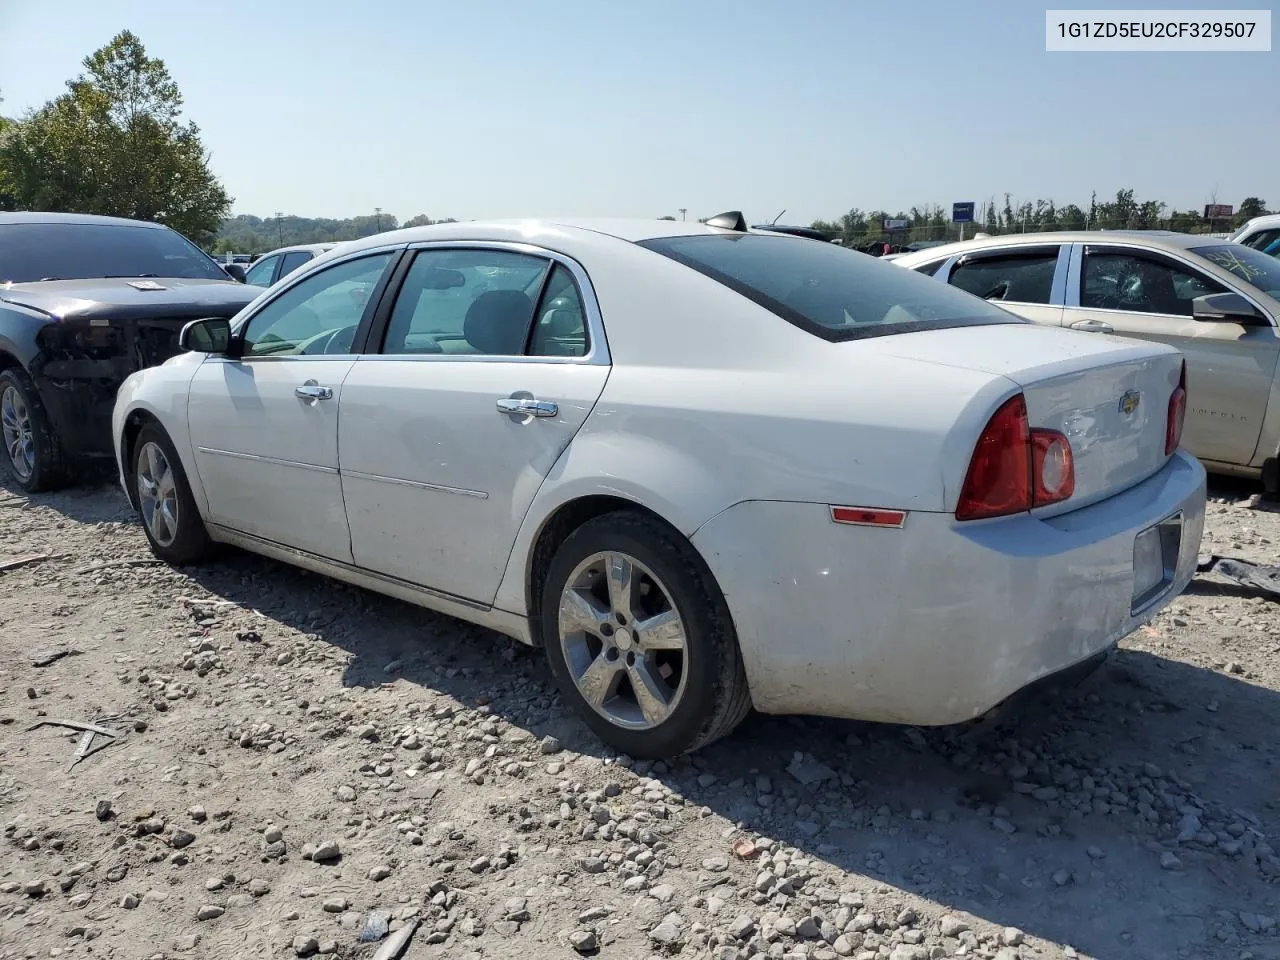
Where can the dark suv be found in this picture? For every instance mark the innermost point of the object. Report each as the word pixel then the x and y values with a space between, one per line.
pixel 84 302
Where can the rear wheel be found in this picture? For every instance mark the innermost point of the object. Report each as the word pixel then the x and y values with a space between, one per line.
pixel 32 453
pixel 640 640
pixel 168 511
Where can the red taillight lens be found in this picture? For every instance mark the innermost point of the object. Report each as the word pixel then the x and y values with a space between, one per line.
pixel 999 477
pixel 1015 468
pixel 1177 413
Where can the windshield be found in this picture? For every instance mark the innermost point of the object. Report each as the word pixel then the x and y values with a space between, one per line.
pixel 833 293
pixel 1254 267
pixel 78 251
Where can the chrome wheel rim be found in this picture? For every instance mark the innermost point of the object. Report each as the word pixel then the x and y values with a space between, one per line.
pixel 157 494
pixel 15 427
pixel 623 640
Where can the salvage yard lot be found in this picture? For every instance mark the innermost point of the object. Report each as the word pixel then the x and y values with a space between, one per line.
pixel 270 712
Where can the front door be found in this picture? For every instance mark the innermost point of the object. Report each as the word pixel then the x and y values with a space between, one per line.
pixel 487 369
pixel 265 426
pixel 1230 366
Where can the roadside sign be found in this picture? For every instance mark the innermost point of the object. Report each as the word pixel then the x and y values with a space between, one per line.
pixel 1217 211
pixel 892 225
pixel 962 212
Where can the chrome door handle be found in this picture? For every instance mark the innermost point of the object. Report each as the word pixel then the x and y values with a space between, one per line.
pixel 313 391
pixel 1092 326
pixel 527 407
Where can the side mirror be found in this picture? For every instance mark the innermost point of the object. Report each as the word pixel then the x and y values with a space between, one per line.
pixel 1224 308
pixel 235 271
pixel 211 335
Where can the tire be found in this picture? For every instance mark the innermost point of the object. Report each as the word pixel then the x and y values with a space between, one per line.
pixel 167 510
pixel 709 697
pixel 31 451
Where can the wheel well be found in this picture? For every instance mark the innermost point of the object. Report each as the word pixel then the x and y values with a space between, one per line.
pixel 8 360
pixel 568 518
pixel 133 425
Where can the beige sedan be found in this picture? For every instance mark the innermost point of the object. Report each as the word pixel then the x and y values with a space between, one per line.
pixel 1216 301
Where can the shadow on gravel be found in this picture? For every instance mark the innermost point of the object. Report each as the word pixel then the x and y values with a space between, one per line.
pixel 1077 798
pixel 84 503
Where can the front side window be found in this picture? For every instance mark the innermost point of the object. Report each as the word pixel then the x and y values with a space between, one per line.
pixel 1268 241
pixel 320 314
pixel 1140 284
pixel 1257 269
pixel 1025 277
pixel 467 301
pixel 831 292
pixel 260 274
pixel 79 251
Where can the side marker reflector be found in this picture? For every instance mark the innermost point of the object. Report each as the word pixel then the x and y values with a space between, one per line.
pixel 869 516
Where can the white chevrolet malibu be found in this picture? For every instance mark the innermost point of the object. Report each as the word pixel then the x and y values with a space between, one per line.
pixel 704 468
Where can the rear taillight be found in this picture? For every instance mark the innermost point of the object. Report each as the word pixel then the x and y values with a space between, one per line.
pixel 1177 413
pixel 1014 467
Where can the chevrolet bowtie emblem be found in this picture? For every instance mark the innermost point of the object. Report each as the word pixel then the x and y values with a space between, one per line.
pixel 1129 401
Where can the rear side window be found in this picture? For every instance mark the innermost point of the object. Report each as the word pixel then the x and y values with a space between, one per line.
pixel 1268 241
pixel 831 292
pixel 1017 278
pixel 293 260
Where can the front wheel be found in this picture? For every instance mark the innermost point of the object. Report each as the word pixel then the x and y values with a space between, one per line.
pixel 32 452
pixel 639 638
pixel 168 511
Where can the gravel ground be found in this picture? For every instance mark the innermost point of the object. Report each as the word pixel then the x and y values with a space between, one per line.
pixel 300 760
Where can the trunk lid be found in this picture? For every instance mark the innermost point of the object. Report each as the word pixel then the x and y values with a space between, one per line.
pixel 1109 396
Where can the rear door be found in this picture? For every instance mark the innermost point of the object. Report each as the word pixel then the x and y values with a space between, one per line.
pixel 484 367
pixel 1028 281
pixel 1146 294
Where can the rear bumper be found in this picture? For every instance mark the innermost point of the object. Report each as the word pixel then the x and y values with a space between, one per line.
pixel 939 621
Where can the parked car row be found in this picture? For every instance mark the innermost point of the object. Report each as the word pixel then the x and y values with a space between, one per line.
pixel 1216 300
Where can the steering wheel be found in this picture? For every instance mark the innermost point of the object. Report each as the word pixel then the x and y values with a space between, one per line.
pixel 340 341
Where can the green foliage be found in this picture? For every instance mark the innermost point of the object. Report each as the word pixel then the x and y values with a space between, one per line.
pixel 1126 212
pixel 115 144
pixel 250 234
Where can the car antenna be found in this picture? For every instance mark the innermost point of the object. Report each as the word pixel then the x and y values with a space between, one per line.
pixel 778 217
pixel 731 220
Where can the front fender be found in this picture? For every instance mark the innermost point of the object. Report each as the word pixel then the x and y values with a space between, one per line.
pixel 160 394
pixel 643 470
pixel 20 332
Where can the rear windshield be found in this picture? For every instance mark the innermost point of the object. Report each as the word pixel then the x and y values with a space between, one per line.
pixel 834 293
pixel 79 251
pixel 1252 266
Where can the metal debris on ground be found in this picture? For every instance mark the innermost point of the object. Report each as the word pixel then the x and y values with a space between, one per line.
pixel 1256 576
pixel 23 561
pixel 44 658
pixel 396 942
pixel 86 747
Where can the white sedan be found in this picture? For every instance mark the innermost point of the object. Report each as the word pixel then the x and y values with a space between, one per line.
pixel 705 468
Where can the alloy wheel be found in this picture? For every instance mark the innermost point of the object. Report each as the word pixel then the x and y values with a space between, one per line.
pixel 15 427
pixel 157 494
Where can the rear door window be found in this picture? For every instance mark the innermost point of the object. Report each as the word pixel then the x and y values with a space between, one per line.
pixel 293 260
pixel 1013 277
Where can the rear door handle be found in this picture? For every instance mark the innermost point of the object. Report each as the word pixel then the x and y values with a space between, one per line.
pixel 527 407
pixel 313 391
pixel 1092 326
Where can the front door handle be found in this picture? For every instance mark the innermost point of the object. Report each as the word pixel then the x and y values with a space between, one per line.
pixel 1092 326
pixel 312 391
pixel 528 407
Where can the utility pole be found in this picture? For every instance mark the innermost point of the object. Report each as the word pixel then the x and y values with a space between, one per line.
pixel 280 227
pixel 378 212
pixel 683 211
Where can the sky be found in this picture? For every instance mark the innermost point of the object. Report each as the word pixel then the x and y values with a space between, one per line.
pixel 496 108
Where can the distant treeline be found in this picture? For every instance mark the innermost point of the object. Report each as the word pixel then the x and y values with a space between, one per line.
pixel 249 234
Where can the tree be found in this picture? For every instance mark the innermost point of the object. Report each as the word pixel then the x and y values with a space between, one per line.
pixel 660 218
pixel 1250 207
pixel 115 144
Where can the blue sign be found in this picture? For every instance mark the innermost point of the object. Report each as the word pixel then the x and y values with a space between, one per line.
pixel 962 212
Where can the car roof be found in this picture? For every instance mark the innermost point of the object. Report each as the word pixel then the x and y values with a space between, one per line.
pixel 1152 239
pixel 308 247
pixel 1259 223
pixel 81 219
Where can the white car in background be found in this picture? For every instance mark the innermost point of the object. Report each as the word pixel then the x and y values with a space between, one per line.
pixel 277 264
pixel 703 467
pixel 1215 300
pixel 1261 233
